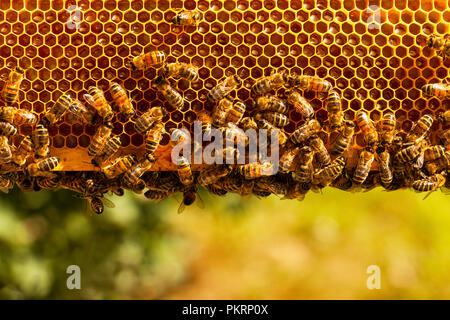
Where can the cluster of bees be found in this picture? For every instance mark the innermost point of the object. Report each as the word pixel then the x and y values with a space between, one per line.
pixel 305 162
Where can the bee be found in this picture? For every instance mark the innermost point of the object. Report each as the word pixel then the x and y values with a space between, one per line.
pixel 156 195
pixel 438 90
pixel 302 133
pixel 121 100
pixel 304 171
pixel 445 139
pixel 420 128
pixel 43 167
pixel 132 177
pixel 300 104
pixel 213 174
pixel 272 104
pixel 256 170
pixel 367 127
pixel 17 117
pixel 97 100
pixel 276 119
pixel 97 204
pixel 296 191
pixel 99 139
pixel 180 70
pixel 205 119
pixel 236 112
pixel 58 110
pixel 187 18
pixel 215 189
pixel 10 91
pixel 362 169
pixel 189 196
pixel 271 185
pixel 5 150
pixel 430 184
pixel 179 136
pixel 441 163
pixel 322 156
pixel 248 123
pixel 49 183
pixel 82 113
pixel 264 124
pixel 311 83
pixel 287 158
pixel 223 88
pixel 344 139
pixel 6 182
pixel 172 96
pixel 267 84
pixel 383 159
pixel 234 135
pixel 146 120
pixel 7 129
pixel 110 147
pixel 221 111
pixel 444 118
pixel 41 141
pixel 330 173
pixel 146 60
pixel 119 166
pixel 334 109
pixel 441 44
pixel 386 128
pixel 433 153
pixel 153 137
pixel 409 153
pixel 184 171
pixel 22 152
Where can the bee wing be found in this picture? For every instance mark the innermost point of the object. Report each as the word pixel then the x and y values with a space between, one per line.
pixel 89 99
pixel 181 207
pixel 200 202
pixel 445 190
pixel 108 203
pixel 428 194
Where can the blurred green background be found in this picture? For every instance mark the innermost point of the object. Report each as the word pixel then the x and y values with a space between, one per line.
pixel 234 249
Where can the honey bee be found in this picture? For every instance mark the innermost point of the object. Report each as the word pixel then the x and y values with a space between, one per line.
pixel 334 109
pixel 270 185
pixel 153 137
pixel 156 195
pixel 264 124
pixel 256 170
pixel 206 124
pixel 445 139
pixel 119 166
pixel 362 169
pixel 10 91
pixel 386 128
pixel 310 83
pixel 187 18
pixel 6 182
pixel 304 171
pixel 43 167
pixel 430 184
pixel 439 164
pixel 172 96
pixel 410 153
pixel 110 147
pixel 441 44
pixel 82 113
pixel 58 110
pixel 97 100
pixel 146 120
pixel 180 70
pixel 344 139
pixel 97 204
pixel 444 118
pixel 49 183
pixel 121 100
pixel 99 139
pixel 438 90
pixel 302 133
pixel 322 156
pixel 221 111
pixel 236 112
pixel 41 141
pixel 383 159
pixel 330 173
pixel 420 128
pixel 132 177
pixel 7 129
pixel 367 127
pixel 189 196
pixel 272 104
pixel 300 104
pixel 17 117
pixel 296 191
pixel 269 83
pixel 216 190
pixel 287 158
pixel 234 135
pixel 433 153
pixel 179 136
pixel 276 119
pixel 5 150
pixel 213 174
pixel 248 123
pixel 22 152
pixel 184 171
pixel 223 88
pixel 146 60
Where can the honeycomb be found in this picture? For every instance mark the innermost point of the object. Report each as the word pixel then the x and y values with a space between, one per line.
pixel 372 52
